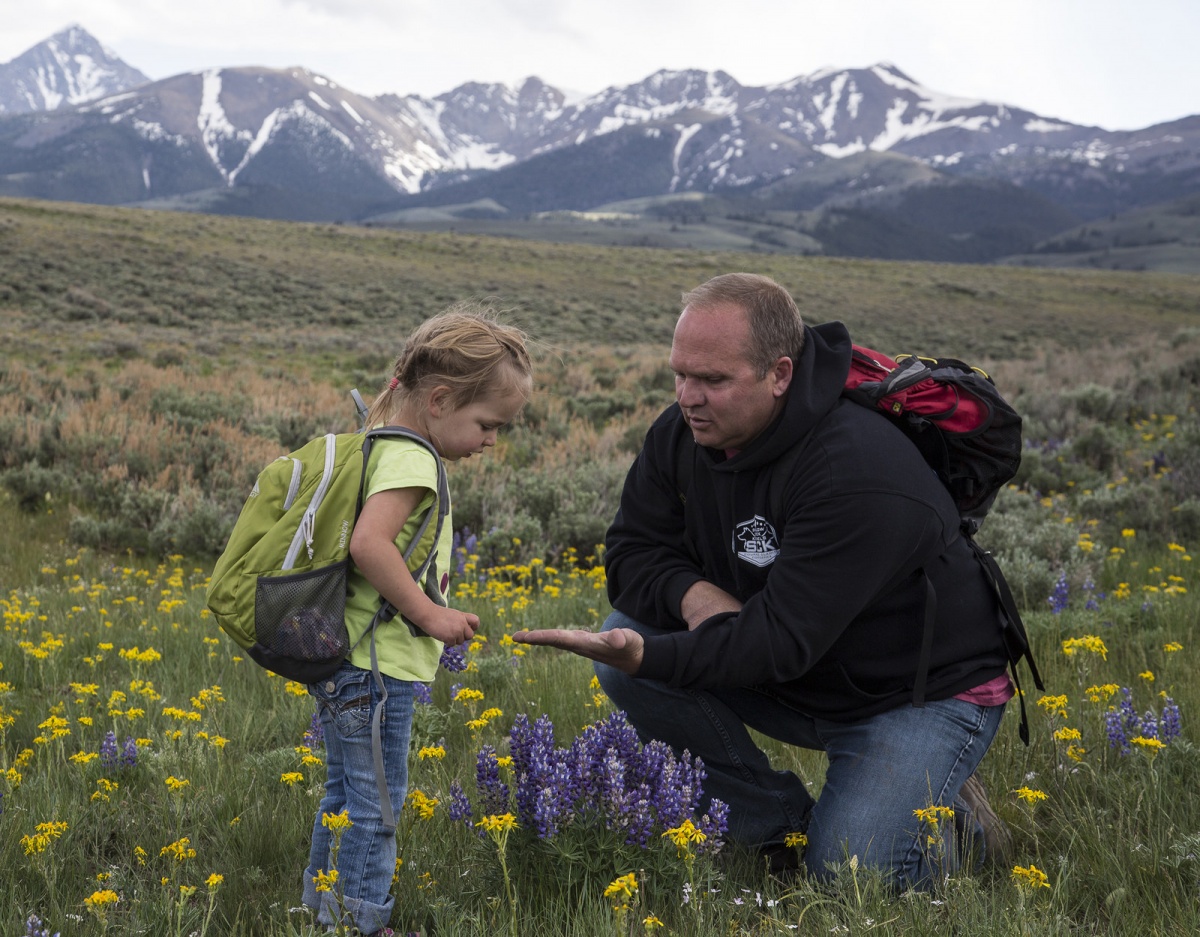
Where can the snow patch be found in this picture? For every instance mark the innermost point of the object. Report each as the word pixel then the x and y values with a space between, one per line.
pixel 320 100
pixel 214 126
pixel 352 112
pixel 838 151
pixel 685 134
pixel 260 140
pixel 1044 126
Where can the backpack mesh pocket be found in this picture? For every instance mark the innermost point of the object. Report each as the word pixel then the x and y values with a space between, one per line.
pixel 303 616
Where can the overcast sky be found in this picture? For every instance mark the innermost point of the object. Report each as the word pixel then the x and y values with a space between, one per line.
pixel 1113 63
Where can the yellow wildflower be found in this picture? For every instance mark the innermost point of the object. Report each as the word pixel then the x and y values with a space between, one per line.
pixel 337 821
pixel 1030 796
pixel 1030 877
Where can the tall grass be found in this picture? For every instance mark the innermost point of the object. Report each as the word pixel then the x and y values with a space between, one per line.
pixel 138 398
pixel 214 773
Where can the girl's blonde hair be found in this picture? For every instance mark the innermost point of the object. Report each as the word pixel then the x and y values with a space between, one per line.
pixel 465 349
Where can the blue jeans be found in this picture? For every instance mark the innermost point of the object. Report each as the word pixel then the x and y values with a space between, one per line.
pixel 366 851
pixel 880 770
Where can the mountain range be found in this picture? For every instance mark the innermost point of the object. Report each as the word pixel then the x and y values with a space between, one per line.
pixel 861 161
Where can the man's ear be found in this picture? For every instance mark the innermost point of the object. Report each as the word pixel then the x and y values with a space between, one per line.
pixel 781 374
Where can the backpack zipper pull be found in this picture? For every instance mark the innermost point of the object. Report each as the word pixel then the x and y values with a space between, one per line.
pixel 308 525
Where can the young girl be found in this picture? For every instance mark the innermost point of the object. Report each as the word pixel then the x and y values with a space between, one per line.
pixel 460 378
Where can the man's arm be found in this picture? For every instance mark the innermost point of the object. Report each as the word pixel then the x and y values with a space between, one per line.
pixel 703 600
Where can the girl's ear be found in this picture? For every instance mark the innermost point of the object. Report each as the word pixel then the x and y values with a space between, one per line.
pixel 439 401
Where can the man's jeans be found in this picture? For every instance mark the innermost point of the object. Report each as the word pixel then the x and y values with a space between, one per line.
pixel 881 769
pixel 366 851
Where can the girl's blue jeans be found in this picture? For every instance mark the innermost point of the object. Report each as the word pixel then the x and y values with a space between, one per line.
pixel 880 770
pixel 366 851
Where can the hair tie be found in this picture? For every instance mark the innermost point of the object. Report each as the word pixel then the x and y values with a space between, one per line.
pixel 393 383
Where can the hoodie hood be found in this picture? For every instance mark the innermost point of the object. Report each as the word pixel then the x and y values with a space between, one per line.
pixel 818 376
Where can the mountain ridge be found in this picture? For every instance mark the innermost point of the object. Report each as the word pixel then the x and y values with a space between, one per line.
pixel 290 143
pixel 68 68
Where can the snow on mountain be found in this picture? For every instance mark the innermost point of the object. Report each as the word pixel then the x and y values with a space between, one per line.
pixel 69 68
pixel 298 132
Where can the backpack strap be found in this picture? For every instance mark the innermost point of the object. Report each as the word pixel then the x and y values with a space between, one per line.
pixel 1016 639
pixel 360 408
pixel 387 611
pixel 428 569
pixel 930 618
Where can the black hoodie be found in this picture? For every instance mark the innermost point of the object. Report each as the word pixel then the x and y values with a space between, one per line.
pixel 831 570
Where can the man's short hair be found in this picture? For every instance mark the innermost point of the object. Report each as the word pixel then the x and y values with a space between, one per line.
pixel 776 329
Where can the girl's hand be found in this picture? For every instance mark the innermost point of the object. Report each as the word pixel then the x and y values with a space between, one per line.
pixel 448 625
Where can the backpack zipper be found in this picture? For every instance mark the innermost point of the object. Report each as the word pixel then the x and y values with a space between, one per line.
pixel 294 487
pixel 306 530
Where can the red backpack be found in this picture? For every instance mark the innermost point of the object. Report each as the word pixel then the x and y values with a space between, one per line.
pixel 966 431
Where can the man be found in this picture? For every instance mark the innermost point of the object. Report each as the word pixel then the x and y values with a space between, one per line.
pixel 770 566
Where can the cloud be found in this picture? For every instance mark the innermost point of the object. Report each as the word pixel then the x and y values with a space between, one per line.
pixel 1092 61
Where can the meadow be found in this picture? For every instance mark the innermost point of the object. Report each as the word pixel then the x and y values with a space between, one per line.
pixel 154 781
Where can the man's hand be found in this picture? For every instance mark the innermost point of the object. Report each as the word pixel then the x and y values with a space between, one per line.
pixel 620 648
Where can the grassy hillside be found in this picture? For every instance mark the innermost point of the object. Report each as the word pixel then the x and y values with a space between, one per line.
pixel 124 282
pixel 151 363
pixel 1163 237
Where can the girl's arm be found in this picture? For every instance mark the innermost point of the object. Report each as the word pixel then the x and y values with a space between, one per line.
pixel 374 551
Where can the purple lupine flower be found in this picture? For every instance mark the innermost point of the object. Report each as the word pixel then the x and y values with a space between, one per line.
pixel 1129 717
pixel 1150 724
pixel 108 751
pixel 693 777
pixel 1122 723
pixel 552 809
pixel 129 752
pixel 1059 597
pixel 493 793
pixel 460 805
pixel 583 779
pixel 35 927
pixel 422 693
pixel 612 789
pixel 714 825
pixel 654 759
pixel 534 762
pixel 638 817
pixel 1114 725
pixel 1170 725
pixel 454 659
pixel 1089 589
pixel 672 795
pixel 314 735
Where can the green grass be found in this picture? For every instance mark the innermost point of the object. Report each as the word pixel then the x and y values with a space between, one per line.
pixel 153 362
pixel 90 646
pixel 122 282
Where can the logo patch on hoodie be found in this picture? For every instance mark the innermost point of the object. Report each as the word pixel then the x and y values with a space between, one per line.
pixel 755 542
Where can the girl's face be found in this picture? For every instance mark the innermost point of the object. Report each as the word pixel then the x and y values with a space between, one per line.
pixel 459 433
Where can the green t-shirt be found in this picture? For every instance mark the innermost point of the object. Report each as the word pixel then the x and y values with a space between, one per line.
pixel 399 463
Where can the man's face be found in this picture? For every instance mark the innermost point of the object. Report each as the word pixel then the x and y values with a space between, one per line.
pixel 725 402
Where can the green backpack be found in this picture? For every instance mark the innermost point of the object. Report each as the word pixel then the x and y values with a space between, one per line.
pixel 279 588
